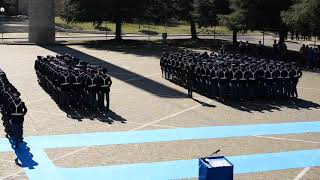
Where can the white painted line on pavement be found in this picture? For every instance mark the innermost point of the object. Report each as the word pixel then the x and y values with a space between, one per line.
pixel 171 115
pixel 302 173
pixel 165 126
pixel 309 88
pixel 286 139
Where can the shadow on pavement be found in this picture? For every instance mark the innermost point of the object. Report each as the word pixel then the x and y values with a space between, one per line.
pixel 270 106
pixel 155 48
pixel 104 116
pixel 24 157
pixel 120 73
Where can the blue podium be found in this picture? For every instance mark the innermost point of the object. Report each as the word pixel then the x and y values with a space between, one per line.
pixel 215 168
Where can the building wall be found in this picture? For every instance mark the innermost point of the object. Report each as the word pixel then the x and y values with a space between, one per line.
pixel 41 21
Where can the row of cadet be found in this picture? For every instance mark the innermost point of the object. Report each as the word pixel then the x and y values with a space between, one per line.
pixel 74 83
pixel 231 76
pixel 13 110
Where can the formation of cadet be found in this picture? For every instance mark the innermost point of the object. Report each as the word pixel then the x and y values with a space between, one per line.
pixel 13 110
pixel 231 76
pixel 74 83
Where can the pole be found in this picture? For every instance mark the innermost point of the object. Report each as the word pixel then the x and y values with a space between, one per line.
pixel 263 37
pixel 149 32
pixel 2 24
pixel 106 30
pixel 165 27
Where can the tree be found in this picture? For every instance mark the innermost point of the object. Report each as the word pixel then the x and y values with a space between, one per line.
pixel 10 6
pixel 207 11
pixel 97 11
pixel 184 10
pixel 303 16
pixel 159 11
pixel 258 15
pixel 162 10
pixel 266 15
pixel 236 20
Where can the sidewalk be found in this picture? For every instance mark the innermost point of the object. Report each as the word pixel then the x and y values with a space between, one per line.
pixel 65 37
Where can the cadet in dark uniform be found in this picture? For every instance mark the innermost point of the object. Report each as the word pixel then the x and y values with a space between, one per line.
pixel 239 77
pixel 104 91
pixel 278 82
pixel 234 88
pixel 222 84
pixel 65 85
pixel 203 80
pixel 214 83
pixel 77 88
pixel 269 84
pixel 71 82
pixel 91 84
pixel 296 78
pixel 17 110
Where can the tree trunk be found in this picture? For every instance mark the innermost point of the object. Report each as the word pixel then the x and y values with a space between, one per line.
pixel 234 38
pixel 193 30
pixel 118 30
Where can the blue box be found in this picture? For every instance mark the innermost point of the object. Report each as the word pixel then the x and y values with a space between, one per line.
pixel 215 168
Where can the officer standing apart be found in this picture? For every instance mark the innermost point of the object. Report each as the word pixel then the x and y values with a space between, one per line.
pixel 190 79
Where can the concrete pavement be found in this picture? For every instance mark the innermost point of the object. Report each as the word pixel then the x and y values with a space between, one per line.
pixel 142 100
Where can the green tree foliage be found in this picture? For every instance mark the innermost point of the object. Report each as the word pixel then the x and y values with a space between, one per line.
pixel 97 11
pixel 257 15
pixel 207 11
pixel 304 17
pixel 185 10
pixel 236 20
pixel 158 11
pixel 10 6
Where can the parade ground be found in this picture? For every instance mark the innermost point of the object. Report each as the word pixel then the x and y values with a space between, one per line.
pixel 153 130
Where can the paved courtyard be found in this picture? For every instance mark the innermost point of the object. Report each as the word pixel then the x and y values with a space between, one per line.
pixel 146 111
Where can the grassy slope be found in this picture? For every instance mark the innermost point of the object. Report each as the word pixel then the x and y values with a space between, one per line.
pixel 177 28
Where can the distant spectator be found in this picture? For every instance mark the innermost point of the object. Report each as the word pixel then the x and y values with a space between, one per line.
pixel 260 48
pixel 297 36
pixel 316 57
pixel 309 56
pixel 303 51
pixel 247 47
pixel 283 50
pixel 275 48
pixel 222 49
pixel 241 47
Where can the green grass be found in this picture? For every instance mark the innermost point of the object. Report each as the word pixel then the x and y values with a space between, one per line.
pixel 174 28
pixel 76 26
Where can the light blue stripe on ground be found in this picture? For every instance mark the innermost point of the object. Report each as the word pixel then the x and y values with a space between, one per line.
pixel 45 168
pixel 162 135
pixel 189 168
pixel 5 146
